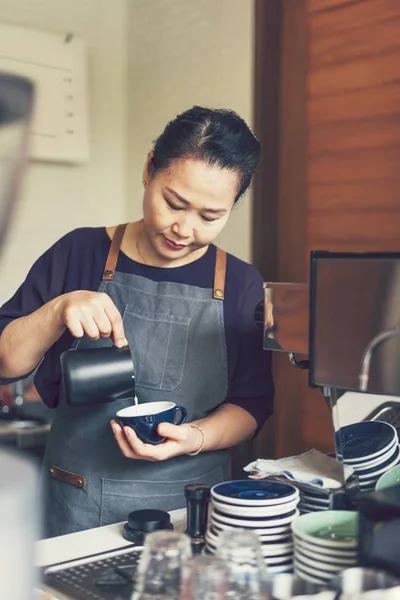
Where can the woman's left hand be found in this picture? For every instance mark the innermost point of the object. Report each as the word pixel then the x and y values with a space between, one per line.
pixel 181 439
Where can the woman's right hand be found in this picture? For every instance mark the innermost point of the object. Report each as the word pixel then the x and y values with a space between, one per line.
pixel 91 313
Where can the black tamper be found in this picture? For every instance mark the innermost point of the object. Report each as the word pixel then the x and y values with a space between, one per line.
pixel 197 498
pixel 142 522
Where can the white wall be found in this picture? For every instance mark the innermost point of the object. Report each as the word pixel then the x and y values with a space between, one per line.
pixel 58 198
pixel 182 53
pixel 148 60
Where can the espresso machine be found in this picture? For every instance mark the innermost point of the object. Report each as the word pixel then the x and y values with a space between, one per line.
pixel 345 325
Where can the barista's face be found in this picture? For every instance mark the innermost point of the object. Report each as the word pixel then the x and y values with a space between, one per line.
pixel 185 207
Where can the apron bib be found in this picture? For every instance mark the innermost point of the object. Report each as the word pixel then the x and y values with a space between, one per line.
pixel 177 339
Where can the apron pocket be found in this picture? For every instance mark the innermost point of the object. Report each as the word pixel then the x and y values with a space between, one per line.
pixel 120 497
pixel 159 346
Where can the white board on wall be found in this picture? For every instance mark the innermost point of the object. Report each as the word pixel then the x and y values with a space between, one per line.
pixel 57 64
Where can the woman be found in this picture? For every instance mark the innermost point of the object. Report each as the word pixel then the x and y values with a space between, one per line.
pixel 187 312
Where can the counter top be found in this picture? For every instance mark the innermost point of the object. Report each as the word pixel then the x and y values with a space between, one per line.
pixel 84 543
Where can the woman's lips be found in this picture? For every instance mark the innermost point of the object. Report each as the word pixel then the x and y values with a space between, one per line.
pixel 173 245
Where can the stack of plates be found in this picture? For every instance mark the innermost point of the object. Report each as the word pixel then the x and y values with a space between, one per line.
pixel 313 499
pixel 266 507
pixel 325 543
pixel 371 448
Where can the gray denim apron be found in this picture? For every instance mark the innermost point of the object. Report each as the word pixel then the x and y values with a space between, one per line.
pixel 176 335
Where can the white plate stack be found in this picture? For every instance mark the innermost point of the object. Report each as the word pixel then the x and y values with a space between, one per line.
pixel 371 448
pixel 325 543
pixel 266 507
pixel 313 500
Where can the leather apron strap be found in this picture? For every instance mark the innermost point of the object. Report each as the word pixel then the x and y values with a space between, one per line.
pixel 112 257
pixel 219 277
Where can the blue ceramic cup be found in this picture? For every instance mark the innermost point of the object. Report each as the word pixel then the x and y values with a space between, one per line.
pixel 145 418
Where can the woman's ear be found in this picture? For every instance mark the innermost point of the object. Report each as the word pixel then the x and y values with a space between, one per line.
pixel 146 169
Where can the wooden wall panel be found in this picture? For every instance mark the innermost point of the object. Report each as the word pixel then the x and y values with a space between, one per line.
pixel 339 162
pixel 353 134
pixel 354 43
pixel 317 5
pixel 327 18
pixel 353 116
pixel 349 196
pixel 354 104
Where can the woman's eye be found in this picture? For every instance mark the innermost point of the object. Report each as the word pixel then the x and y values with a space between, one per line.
pixel 173 206
pixel 208 220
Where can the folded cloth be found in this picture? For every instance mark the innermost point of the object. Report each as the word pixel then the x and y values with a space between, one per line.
pixel 312 468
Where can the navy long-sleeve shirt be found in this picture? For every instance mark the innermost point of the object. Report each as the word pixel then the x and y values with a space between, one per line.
pixel 76 262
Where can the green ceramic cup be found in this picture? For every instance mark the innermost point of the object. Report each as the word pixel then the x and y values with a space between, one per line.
pixel 388 479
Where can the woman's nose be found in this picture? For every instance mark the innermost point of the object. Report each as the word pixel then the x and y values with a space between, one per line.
pixel 183 227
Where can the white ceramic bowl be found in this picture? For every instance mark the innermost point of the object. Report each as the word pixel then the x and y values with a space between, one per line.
pixel 309 574
pixel 324 558
pixel 303 575
pixel 341 554
pixel 317 564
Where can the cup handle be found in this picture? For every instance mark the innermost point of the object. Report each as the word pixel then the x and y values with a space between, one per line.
pixel 182 417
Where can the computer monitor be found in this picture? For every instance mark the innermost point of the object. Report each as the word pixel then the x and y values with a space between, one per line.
pixel 354 304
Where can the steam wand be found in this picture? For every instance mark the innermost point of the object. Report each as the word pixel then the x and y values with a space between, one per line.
pixel 300 364
pixel 304 364
pixel 367 356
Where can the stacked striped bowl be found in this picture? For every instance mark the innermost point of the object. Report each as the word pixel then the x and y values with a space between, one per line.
pixel 313 499
pixel 371 448
pixel 325 543
pixel 266 507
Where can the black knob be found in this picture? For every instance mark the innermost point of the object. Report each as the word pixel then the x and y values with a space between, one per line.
pixel 197 497
pixel 141 522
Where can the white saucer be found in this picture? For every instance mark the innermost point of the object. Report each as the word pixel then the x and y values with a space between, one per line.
pixel 367 464
pixel 380 471
pixel 253 523
pixel 284 531
pixel 307 504
pixel 314 500
pixel 248 492
pixel 255 511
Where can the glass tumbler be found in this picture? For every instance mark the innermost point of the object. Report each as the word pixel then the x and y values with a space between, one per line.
pixel 204 578
pixel 160 566
pixel 247 572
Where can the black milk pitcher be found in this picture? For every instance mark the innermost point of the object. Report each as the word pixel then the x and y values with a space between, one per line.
pixel 97 375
